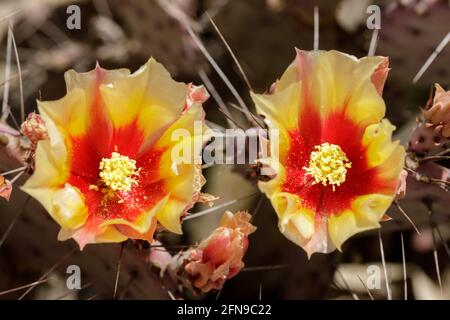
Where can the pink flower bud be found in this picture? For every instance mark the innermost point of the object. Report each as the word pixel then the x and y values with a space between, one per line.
pixel 219 257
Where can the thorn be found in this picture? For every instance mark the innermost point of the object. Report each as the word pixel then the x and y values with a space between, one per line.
pixel 23 287
pixel 220 206
pixel 53 32
pixel 316 28
pixel 10 15
pixel 93 297
pixel 388 289
pixel 373 43
pixel 45 275
pixel 85 286
pixel 260 292
pixel 19 70
pixel 127 287
pixel 354 295
pixel 444 242
pixel 236 125
pixel 171 295
pixel 429 206
pixel 205 79
pixel 219 293
pixel 5 106
pixel 119 262
pixel 17 177
pixel 367 289
pixel 255 118
pixel 405 282
pixel 264 268
pixel 433 56
pixel 397 204
pixel 13 77
pixel 236 61
pixel 13 171
pixel 257 208
pixel 13 222
pixel 216 67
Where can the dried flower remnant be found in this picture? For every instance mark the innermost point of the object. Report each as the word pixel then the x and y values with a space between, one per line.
pixel 34 128
pixel 106 173
pixel 216 259
pixel 337 169
pixel 401 187
pixel 5 188
pixel 438 115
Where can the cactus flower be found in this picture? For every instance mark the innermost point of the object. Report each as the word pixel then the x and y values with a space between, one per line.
pixel 336 167
pixel 106 172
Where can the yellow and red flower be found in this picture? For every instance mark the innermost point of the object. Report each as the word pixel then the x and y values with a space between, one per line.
pixel 106 172
pixel 336 166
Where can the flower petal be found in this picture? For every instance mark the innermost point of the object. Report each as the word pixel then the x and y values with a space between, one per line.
pixel 150 96
pixel 302 226
pixel 365 214
pixel 377 138
pixel 51 172
pixel 282 107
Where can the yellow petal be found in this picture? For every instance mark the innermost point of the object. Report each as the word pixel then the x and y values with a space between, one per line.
pixel 370 209
pixel 391 168
pixel 282 107
pixel 378 139
pixel 68 207
pixel 149 95
pixel 303 221
pixel 51 172
pixel 190 123
pixel 169 216
pixel 301 225
pixel 365 214
pixel 332 80
pixel 88 82
pixel 343 80
pixel 70 113
pixel 289 211
pixel 110 235
pixel 291 75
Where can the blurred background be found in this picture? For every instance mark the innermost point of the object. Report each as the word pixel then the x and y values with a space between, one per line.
pixel 263 35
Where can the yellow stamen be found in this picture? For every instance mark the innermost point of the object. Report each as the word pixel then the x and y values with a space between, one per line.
pixel 328 165
pixel 119 172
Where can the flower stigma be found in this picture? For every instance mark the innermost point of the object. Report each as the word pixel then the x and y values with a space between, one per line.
pixel 328 165
pixel 119 172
